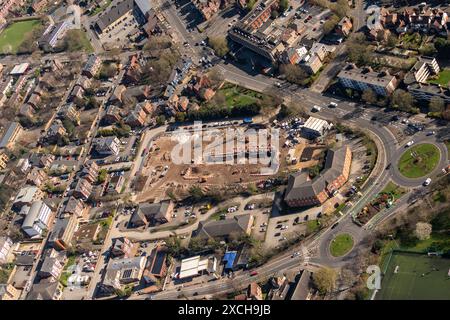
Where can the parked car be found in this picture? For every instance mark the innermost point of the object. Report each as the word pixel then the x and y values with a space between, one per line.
pixel 410 143
pixel 333 104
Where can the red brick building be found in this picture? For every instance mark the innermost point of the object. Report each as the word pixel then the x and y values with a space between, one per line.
pixel 303 191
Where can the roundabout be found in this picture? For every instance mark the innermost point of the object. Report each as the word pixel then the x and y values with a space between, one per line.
pixel 341 245
pixel 419 161
pixel 411 166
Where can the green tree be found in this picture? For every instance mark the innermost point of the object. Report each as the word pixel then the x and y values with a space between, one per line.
pixel 180 116
pixel 325 280
pixel 436 104
pixel 369 96
pixel 330 24
pixel 174 247
pixel 251 4
pixel 284 5
pixel 285 112
pixel 92 103
pixel 341 8
pixel 359 50
pixel 402 100
pixel 69 126
pixel 294 73
pixel 160 120
pixel 196 192
pixel 74 40
pixel 392 41
pixel 427 49
pixel 102 174
pixel 219 45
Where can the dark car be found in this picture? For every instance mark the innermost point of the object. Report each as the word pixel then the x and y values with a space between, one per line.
pixel 335 225
pixel 388 166
pixel 277 234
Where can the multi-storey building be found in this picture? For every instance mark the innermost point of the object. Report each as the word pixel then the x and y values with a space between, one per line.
pixel 37 219
pixel 360 79
pixel 426 91
pixel 247 33
pixel 422 70
pixel 302 191
pixel 10 135
pixel 3 160
pixel 92 66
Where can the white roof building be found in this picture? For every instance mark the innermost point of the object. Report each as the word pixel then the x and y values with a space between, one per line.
pixel 19 69
pixel 37 219
pixel 195 266
pixel 315 127
pixel 27 195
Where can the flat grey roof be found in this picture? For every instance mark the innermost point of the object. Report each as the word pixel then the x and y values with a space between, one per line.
pixel 8 134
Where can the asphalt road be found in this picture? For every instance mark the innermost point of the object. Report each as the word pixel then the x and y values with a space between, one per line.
pixel 347 113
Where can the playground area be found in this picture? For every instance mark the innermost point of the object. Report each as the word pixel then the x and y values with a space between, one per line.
pixel 411 276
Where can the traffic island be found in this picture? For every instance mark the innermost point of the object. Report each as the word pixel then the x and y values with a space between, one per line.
pixel 419 161
pixel 341 245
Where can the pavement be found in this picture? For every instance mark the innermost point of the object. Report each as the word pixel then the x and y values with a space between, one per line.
pixel 314 252
pixel 391 151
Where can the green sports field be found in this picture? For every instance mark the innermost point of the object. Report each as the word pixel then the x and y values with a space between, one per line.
pixel 13 36
pixel 418 277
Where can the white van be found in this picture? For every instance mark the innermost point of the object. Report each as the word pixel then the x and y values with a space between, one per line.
pixel 333 105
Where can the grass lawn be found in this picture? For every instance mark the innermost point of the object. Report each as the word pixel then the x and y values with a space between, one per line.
pixel 239 96
pixel 80 41
pixel 312 225
pixel 435 238
pixel 66 273
pixel 13 36
pixel 418 277
pixel 5 272
pixel 341 245
pixel 443 78
pixel 394 190
pixel 427 158
pixel 100 8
